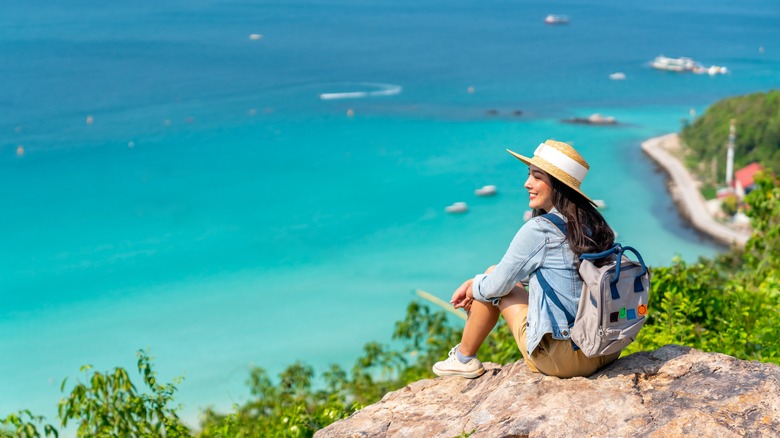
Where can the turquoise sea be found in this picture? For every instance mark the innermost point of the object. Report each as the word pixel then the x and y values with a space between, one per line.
pixel 170 182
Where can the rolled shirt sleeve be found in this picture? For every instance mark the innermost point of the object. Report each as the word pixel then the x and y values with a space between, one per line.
pixel 524 255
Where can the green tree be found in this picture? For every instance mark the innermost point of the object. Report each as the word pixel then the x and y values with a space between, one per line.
pixel 763 206
pixel 24 424
pixel 108 404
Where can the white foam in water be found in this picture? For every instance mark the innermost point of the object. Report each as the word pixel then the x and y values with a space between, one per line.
pixel 386 90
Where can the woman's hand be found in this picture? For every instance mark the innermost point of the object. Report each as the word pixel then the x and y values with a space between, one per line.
pixel 463 296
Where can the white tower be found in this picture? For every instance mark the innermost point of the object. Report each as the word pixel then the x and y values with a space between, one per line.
pixel 730 154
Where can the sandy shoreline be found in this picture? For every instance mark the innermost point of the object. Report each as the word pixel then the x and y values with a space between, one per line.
pixel 686 193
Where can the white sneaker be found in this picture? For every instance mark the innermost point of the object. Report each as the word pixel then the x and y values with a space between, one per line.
pixel 453 367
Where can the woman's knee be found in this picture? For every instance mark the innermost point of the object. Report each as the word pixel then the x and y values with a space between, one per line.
pixel 518 295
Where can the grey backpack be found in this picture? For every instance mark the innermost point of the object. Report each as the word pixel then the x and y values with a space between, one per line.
pixel 613 304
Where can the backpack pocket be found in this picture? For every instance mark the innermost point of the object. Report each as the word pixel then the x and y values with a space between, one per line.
pixel 615 337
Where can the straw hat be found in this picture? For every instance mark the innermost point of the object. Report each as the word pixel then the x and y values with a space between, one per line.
pixel 561 161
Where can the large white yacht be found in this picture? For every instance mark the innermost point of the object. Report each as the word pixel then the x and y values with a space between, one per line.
pixel 674 64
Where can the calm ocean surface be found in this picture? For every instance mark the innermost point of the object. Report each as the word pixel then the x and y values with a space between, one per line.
pixel 221 214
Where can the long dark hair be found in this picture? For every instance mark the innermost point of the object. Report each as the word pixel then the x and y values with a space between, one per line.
pixel 586 229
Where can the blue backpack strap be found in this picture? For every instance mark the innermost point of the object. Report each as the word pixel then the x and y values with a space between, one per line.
pixel 546 288
pixel 556 220
pixel 638 287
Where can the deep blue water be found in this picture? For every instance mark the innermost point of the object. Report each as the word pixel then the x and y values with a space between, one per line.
pixel 218 212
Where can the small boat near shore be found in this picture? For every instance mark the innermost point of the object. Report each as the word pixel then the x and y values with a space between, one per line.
pixel 617 76
pixel 556 19
pixel 457 207
pixel 488 190
pixel 593 119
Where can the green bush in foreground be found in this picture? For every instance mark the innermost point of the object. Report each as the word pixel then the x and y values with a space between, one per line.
pixel 727 305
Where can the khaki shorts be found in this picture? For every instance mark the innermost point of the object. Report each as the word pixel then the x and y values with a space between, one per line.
pixel 555 357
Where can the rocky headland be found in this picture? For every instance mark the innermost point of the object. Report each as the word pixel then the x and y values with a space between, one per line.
pixel 673 391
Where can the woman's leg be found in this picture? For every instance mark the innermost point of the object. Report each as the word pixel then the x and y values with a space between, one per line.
pixel 514 305
pixel 484 316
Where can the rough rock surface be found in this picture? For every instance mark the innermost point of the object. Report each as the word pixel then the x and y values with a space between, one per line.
pixel 673 391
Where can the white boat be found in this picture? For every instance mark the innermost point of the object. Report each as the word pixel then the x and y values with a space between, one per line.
pixel 556 19
pixel 598 119
pixel 458 207
pixel 617 76
pixel 675 64
pixel 527 215
pixel 488 190
pixel 593 119
pixel 600 203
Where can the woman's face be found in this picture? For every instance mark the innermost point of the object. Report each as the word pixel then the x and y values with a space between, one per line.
pixel 539 189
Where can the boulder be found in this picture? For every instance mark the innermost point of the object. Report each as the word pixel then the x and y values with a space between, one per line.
pixel 673 391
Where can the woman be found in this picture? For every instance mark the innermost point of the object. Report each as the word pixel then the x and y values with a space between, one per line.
pixel 536 319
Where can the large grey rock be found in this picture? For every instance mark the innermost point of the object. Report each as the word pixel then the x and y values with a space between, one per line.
pixel 673 391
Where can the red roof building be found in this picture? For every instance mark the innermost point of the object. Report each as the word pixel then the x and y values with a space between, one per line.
pixel 744 179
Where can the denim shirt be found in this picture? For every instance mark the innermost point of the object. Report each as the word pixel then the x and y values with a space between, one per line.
pixel 537 245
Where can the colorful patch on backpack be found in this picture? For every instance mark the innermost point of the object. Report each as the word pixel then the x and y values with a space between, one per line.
pixel 613 317
pixel 622 313
pixel 642 309
pixel 630 313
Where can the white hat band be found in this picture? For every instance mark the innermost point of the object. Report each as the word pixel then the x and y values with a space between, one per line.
pixel 561 161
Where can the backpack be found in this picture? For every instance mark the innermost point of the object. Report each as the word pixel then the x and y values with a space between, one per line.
pixel 613 304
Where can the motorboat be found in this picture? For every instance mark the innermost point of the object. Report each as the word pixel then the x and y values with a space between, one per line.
pixel 488 190
pixel 556 19
pixel 617 76
pixel 674 64
pixel 599 203
pixel 686 65
pixel 457 207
